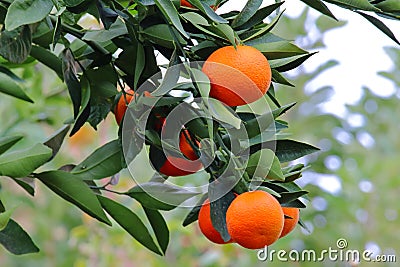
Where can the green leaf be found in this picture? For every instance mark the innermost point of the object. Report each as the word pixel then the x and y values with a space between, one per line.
pixel 16 240
pixel 202 82
pixel 205 9
pixel 21 163
pixel 247 12
pixel 171 14
pixel 5 218
pixel 10 87
pixel 380 25
pixel 161 34
pixel 47 58
pixel 288 150
pixel 218 206
pixel 8 141
pixel 355 4
pixel 103 162
pixel 56 140
pixel 169 81
pixel 2 208
pixel 388 5
pixel 73 85
pixel 225 32
pixel 73 190
pixel 130 222
pixel 287 197
pixel 279 49
pixel 159 226
pixel 193 215
pixel 279 78
pixel 264 164
pixel 320 6
pixel 23 12
pixel 286 64
pixel 16 45
pixel 279 111
pixel 222 113
pixel 159 196
pixel 265 29
pixel 259 16
pixel 118 28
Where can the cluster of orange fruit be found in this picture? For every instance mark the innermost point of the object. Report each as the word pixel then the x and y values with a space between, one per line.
pixel 254 220
pixel 238 76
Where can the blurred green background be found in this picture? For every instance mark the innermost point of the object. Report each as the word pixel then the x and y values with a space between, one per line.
pixel 353 181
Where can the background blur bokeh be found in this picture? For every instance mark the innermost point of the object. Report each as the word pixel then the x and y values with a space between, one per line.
pixel 353 181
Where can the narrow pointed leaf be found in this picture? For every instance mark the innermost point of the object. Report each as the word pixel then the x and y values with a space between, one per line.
pixel 130 222
pixel 159 226
pixel 247 12
pixel 11 87
pixel 103 162
pixel 56 140
pixel 8 141
pixel 75 191
pixel 320 6
pixel 380 25
pixel 14 238
pixel 21 163
pixel 171 14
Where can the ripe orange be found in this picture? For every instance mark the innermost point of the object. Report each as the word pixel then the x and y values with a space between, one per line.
pixel 238 76
pixel 180 166
pixel 206 226
pixel 122 105
pixel 255 219
pixel 290 223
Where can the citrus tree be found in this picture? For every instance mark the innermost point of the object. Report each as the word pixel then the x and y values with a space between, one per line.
pixel 192 91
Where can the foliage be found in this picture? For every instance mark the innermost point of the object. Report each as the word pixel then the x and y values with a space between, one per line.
pixel 92 63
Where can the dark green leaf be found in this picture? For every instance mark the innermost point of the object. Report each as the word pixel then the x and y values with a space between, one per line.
pixel 247 12
pixel 279 78
pixel 279 49
pixel 218 206
pixel 355 4
pixel 162 34
pixel 16 240
pixel 287 197
pixel 159 226
pixel 260 15
pixel 103 162
pixel 75 191
pixel 8 141
pixel 279 111
pixel 130 222
pixel 380 25
pixel 287 64
pixel 194 213
pixel 159 196
pixel 320 6
pixel 265 29
pixel 288 150
pixel 23 12
pixel 21 163
pixel 56 140
pixel 171 14
pixel 74 87
pixel 205 9
pixel 2 208
pixel 15 45
pixel 10 87
pixel 294 204
pixel 47 58
pixel 222 113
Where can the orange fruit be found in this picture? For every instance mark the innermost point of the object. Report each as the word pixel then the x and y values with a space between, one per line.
pixel 290 223
pixel 255 219
pixel 122 105
pixel 84 136
pixel 181 166
pixel 238 76
pixel 206 226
